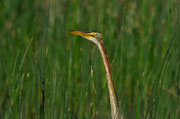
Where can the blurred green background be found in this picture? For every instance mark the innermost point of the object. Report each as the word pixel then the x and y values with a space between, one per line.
pixel 45 72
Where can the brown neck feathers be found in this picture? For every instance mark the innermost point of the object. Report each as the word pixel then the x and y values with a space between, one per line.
pixel 112 94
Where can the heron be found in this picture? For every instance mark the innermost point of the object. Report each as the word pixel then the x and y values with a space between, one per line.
pixel 96 37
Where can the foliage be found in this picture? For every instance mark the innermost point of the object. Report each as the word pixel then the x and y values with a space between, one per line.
pixel 47 73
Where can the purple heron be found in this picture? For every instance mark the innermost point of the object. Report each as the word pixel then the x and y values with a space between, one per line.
pixel 96 38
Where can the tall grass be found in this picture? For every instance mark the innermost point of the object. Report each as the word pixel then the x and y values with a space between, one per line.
pixel 47 73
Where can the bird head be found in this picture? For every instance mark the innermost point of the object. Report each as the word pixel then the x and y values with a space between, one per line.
pixel 93 36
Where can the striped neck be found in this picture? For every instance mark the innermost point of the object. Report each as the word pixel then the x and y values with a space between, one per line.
pixel 112 94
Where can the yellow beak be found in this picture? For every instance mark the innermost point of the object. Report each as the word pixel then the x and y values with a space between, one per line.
pixel 79 33
pixel 82 33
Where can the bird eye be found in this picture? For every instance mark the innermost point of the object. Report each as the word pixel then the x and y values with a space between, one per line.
pixel 94 35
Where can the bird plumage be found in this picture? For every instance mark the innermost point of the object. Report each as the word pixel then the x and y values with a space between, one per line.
pixel 96 37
